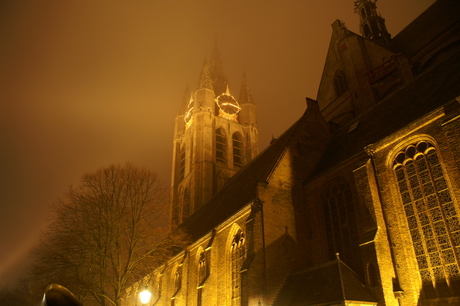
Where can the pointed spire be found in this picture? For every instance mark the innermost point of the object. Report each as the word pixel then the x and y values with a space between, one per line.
pixel 205 77
pixel 245 93
pixel 216 62
pixel 185 100
pixel 217 72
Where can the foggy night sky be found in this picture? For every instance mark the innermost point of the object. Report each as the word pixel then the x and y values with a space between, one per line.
pixel 84 84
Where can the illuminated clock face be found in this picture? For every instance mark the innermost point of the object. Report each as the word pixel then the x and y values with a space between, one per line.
pixel 228 105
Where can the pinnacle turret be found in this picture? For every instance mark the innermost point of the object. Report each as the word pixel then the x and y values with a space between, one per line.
pixel 372 25
pixel 245 93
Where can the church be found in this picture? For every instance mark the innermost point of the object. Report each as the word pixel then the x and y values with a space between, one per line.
pixel 357 203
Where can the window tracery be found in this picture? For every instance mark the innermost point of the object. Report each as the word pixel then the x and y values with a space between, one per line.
pixel 430 212
pixel 203 266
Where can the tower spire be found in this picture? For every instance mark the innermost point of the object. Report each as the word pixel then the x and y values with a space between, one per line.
pixel 218 78
pixel 371 24
pixel 205 77
pixel 214 137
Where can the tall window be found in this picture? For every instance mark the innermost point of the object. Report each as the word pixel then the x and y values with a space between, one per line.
pixel 238 255
pixel 341 227
pixel 221 146
pixel 203 266
pixel 178 280
pixel 430 213
pixel 237 141
pixel 340 83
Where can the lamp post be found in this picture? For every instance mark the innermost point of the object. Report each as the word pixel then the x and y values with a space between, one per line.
pixel 145 296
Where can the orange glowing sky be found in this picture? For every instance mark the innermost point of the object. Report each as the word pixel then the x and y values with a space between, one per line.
pixel 88 83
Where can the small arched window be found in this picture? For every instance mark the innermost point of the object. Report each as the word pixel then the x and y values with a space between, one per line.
pixel 363 13
pixel 340 83
pixel 221 146
pixel 237 141
pixel 238 255
pixel 431 215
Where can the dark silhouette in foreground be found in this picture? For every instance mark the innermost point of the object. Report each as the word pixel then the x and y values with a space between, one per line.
pixel 57 295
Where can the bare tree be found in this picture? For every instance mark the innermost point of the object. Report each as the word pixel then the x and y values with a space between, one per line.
pixel 107 233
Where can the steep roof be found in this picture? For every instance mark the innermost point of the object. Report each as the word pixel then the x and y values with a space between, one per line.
pixel 327 283
pixel 430 90
pixel 434 21
pixel 240 190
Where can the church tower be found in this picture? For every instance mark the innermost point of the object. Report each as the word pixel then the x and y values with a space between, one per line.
pixel 372 25
pixel 215 135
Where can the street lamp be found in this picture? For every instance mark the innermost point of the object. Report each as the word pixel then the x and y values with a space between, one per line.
pixel 145 296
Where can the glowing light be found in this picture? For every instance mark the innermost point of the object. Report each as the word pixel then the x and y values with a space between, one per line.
pixel 145 296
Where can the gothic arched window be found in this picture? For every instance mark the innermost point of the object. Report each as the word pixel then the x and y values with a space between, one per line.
pixel 237 141
pixel 238 255
pixel 178 280
pixel 203 266
pixel 430 212
pixel 221 146
pixel 341 227
pixel 340 83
